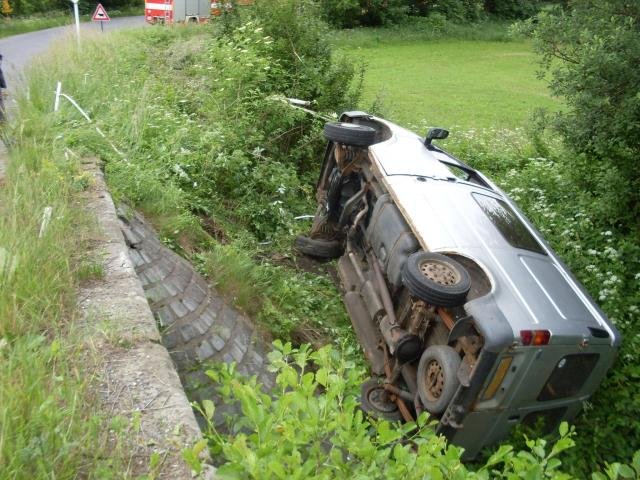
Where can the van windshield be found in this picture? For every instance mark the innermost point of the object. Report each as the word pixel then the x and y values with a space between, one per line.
pixel 505 220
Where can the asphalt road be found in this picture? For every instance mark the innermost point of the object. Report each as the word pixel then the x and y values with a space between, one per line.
pixel 19 50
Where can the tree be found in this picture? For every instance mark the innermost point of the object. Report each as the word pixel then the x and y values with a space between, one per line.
pixel 512 8
pixel 592 50
pixel 6 8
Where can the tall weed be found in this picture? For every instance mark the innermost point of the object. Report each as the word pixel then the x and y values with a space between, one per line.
pixel 208 135
pixel 48 422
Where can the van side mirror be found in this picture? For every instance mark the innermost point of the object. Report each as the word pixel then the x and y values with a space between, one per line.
pixel 435 134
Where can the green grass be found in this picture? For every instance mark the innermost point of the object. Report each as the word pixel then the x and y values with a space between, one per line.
pixel 16 25
pixel 452 83
pixel 49 422
pixel 281 297
pixel 288 301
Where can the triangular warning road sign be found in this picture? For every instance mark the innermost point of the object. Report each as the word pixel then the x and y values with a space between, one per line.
pixel 100 15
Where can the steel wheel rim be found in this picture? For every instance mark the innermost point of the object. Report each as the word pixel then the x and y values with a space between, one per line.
pixel 434 378
pixel 379 399
pixel 440 272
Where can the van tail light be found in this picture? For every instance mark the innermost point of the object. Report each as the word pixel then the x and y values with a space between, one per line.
pixel 535 337
pixel 498 377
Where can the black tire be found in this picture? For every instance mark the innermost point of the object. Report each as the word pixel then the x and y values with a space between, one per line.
pixel 375 401
pixel 334 191
pixel 318 248
pixel 350 134
pixel 437 377
pixel 436 279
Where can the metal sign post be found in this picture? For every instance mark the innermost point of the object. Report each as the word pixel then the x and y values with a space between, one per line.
pixel 77 17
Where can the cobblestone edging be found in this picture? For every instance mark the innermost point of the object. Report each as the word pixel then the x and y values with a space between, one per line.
pixel 137 379
pixel 197 326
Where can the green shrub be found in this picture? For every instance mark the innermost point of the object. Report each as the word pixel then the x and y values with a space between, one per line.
pixel 311 426
pixel 310 69
pixel 592 50
pixel 457 10
pixel 354 13
pixel 341 13
pixel 512 9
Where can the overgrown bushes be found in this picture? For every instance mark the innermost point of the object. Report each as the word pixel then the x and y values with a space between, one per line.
pixel 592 50
pixel 353 13
pixel 207 134
pixel 311 427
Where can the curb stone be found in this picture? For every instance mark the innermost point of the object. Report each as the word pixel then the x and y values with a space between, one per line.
pixel 138 380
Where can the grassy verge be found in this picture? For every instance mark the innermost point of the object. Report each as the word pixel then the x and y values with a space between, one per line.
pixel 188 169
pixel 16 25
pixel 49 426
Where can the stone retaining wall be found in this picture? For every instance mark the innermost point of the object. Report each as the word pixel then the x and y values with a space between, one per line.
pixel 198 326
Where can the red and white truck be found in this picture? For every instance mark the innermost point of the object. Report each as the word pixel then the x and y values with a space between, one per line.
pixel 173 11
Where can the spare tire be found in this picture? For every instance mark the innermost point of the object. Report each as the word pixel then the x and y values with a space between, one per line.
pixel 350 134
pixel 436 279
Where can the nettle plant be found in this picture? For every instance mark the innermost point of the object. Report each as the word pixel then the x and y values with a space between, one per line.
pixel 311 426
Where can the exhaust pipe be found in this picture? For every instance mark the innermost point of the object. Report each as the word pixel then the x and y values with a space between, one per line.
pixel 405 346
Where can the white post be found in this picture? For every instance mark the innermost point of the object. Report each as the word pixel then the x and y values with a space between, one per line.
pixel 56 104
pixel 46 218
pixel 77 16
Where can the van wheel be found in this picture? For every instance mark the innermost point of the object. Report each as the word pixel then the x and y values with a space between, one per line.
pixel 437 377
pixel 350 134
pixel 375 400
pixel 319 248
pixel 436 279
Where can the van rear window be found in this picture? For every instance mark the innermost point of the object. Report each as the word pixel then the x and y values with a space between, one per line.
pixel 506 221
pixel 569 376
